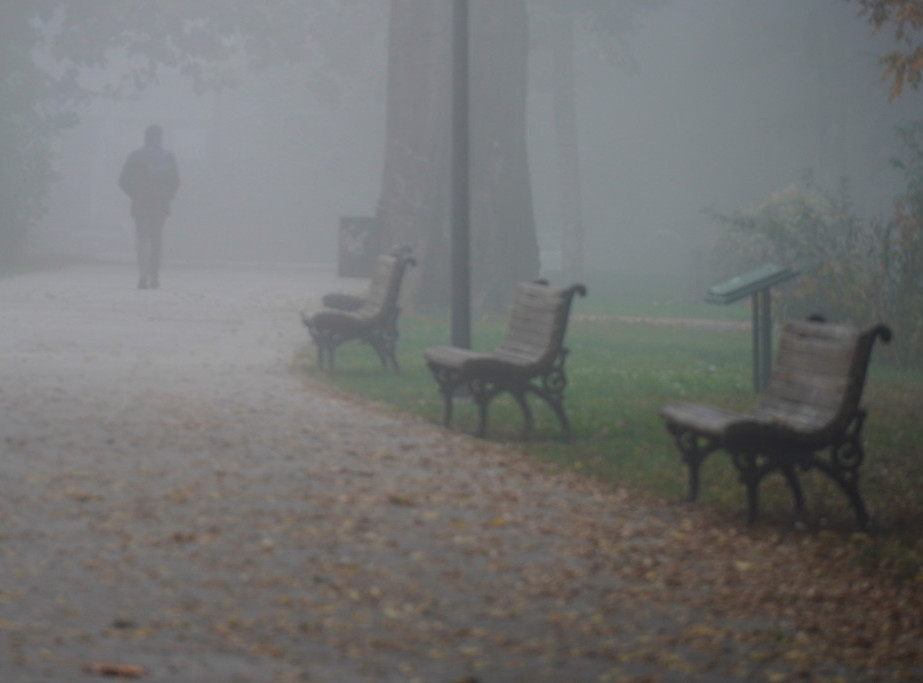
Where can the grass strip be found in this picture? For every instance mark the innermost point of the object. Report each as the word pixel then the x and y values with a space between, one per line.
pixel 621 370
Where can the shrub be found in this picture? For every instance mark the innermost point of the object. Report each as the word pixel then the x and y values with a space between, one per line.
pixel 814 233
pixel 34 107
pixel 901 250
pixel 852 269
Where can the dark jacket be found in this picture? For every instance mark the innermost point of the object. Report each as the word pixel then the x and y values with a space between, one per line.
pixel 151 178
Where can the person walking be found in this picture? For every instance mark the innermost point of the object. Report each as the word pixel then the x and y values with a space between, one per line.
pixel 150 177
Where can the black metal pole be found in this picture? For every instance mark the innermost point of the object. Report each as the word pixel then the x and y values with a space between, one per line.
pixel 757 338
pixel 762 339
pixel 766 342
pixel 461 250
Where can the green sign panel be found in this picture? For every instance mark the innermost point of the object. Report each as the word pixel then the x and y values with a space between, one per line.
pixel 749 283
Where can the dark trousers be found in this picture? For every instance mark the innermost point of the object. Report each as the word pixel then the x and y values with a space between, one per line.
pixel 149 241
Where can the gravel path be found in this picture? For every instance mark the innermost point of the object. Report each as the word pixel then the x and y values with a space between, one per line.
pixel 174 497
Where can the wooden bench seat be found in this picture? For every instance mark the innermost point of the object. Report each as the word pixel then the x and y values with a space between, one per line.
pixel 808 418
pixel 371 318
pixel 530 359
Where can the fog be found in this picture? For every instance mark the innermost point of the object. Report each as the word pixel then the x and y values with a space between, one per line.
pixel 726 101
pixel 732 101
pixel 267 168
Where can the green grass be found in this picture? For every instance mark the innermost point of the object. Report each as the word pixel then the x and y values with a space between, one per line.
pixel 622 372
pixel 653 296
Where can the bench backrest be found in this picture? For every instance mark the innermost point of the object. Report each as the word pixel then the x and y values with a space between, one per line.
pixel 819 374
pixel 385 286
pixel 537 323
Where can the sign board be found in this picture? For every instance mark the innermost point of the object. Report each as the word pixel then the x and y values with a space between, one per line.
pixel 749 283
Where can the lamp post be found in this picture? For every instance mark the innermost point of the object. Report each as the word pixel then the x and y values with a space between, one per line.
pixel 461 244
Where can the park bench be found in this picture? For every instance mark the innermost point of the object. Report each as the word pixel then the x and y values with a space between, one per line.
pixel 371 318
pixel 809 417
pixel 529 360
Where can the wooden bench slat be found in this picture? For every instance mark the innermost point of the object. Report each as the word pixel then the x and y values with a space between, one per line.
pixel 816 359
pixel 819 391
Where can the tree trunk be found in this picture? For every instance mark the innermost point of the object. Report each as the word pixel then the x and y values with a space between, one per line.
pixel 504 242
pixel 415 201
pixel 413 208
pixel 570 206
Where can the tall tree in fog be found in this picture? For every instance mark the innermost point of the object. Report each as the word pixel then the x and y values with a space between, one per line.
pixel 414 204
pixel 609 22
pixel 564 96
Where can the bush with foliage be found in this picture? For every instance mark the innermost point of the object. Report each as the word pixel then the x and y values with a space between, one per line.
pixel 25 147
pixel 851 269
pixel 32 111
pixel 900 245
pixel 814 233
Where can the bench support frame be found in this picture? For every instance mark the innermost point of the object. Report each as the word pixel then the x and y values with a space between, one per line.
pixel 371 319
pixel 381 337
pixel 777 436
pixel 549 387
pixel 530 360
pixel 841 464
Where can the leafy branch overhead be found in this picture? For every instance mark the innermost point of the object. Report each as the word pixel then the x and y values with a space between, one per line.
pixel 904 65
pixel 205 40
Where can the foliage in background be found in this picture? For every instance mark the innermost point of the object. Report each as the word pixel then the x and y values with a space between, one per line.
pixel 852 269
pixel 901 248
pixel 32 110
pixel 815 233
pixel 902 66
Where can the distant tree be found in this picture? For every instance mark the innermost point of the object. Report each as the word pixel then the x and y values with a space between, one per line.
pixel 205 39
pixel 609 23
pixel 416 182
pixel 46 45
pixel 33 106
pixel 902 66
pixel 901 238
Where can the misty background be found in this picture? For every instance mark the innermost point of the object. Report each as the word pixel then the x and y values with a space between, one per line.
pixel 713 103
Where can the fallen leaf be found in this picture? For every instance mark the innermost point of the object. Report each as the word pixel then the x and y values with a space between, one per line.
pixel 116 670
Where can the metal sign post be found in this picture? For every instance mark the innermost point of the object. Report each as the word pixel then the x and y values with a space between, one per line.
pixel 756 284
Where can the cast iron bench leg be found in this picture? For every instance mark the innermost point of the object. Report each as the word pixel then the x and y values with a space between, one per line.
pixel 558 409
pixel 848 481
pixel 482 392
pixel 795 485
pixel 446 407
pixel 482 419
pixel 381 353
pixel 447 381
pixel 694 448
pixel 528 421
pixel 751 473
